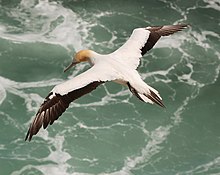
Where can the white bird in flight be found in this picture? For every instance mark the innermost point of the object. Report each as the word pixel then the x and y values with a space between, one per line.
pixel 119 66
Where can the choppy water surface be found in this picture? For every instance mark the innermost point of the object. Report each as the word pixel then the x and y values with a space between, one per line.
pixel 109 131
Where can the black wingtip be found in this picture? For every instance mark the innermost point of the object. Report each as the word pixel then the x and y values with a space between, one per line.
pixel 27 135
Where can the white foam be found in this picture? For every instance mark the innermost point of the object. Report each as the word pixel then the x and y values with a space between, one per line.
pixel 174 41
pixel 213 4
pixel 2 94
pixel 153 147
pixel 57 160
pixel 66 34
pixel 59 157
pixel 32 100
pixel 2 147
pixel 201 38
pixel 47 22
pixel 206 168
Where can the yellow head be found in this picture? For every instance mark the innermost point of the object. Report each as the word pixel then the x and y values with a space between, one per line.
pixel 81 56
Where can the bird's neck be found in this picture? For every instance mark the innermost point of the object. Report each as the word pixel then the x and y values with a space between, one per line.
pixel 94 58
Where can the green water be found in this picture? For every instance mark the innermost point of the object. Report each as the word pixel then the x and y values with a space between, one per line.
pixel 109 131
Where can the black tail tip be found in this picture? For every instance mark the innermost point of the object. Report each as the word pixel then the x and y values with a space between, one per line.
pixel 156 99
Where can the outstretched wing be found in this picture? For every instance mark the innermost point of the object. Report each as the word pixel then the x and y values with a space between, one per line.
pixel 63 94
pixel 141 41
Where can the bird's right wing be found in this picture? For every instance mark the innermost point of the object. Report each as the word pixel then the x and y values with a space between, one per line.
pixel 130 52
pixel 141 41
pixel 63 94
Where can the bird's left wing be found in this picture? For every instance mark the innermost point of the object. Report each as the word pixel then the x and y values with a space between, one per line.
pixel 141 41
pixel 63 94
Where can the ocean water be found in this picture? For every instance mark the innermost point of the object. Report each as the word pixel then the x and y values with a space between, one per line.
pixel 110 132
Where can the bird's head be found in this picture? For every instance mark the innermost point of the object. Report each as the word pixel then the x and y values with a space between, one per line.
pixel 81 56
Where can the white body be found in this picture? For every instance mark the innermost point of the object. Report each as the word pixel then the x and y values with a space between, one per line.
pixel 119 66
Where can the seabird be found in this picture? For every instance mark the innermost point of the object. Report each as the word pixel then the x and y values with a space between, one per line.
pixel 119 66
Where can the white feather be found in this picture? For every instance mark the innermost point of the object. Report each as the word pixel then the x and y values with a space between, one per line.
pixel 130 52
pixel 99 72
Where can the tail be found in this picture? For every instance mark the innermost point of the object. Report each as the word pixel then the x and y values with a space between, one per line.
pixel 151 95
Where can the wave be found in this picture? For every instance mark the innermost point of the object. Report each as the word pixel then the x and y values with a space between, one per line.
pixel 44 21
pixel 50 22
pixel 2 94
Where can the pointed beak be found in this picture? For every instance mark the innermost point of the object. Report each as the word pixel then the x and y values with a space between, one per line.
pixel 71 65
